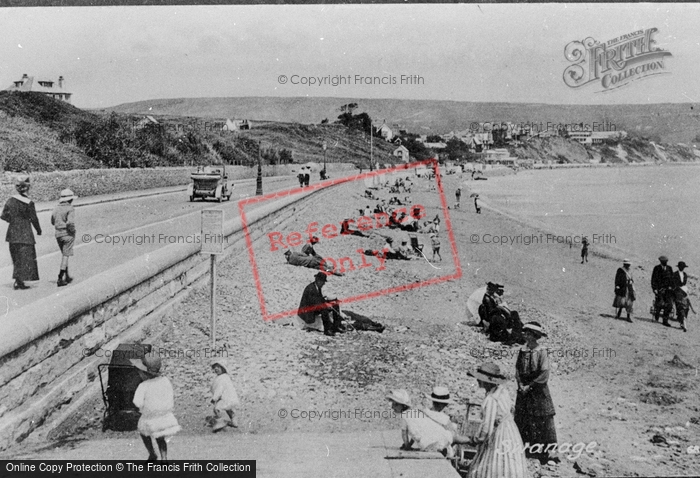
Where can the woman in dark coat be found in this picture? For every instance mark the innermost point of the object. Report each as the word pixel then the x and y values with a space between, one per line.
pixel 624 290
pixel 534 409
pixel 20 213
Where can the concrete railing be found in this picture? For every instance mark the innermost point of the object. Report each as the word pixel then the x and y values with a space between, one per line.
pixel 47 348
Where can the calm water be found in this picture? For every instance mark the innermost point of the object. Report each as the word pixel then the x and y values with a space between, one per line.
pixel 649 210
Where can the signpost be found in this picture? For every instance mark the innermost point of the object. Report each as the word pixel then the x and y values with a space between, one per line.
pixel 212 240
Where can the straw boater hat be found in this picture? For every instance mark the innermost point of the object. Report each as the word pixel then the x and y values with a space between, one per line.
pixel 440 395
pixel 400 396
pixel 626 261
pixel 488 372
pixel 534 327
pixel 150 363
pixel 67 195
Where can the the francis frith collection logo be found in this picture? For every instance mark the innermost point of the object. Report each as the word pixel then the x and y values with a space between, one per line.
pixel 614 63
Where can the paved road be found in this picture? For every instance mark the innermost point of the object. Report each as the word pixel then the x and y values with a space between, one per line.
pixel 111 233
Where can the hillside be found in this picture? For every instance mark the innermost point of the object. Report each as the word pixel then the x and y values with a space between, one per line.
pixel 668 123
pixel 38 133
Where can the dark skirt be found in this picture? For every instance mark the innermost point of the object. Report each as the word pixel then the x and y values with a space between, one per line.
pixel 24 262
pixel 536 430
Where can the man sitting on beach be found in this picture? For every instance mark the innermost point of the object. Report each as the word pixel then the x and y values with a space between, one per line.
pixel 315 308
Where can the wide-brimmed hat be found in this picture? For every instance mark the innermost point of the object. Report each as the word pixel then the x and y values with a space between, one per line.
pixel 150 363
pixel 314 240
pixel 321 275
pixel 440 395
pixel 626 261
pixel 488 372
pixel 21 180
pixel 663 258
pixel 399 396
pixel 66 196
pixel 536 328
pixel 491 285
pixel 682 264
pixel 221 363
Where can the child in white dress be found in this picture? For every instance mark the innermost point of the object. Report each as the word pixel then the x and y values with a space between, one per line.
pixel 154 399
pixel 224 397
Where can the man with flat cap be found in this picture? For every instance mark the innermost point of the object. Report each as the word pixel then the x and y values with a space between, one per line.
pixel 680 292
pixel 662 285
pixel 313 304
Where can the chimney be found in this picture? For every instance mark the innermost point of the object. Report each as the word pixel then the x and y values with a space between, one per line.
pixel 60 82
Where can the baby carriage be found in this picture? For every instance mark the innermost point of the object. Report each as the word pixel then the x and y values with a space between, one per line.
pixel 122 379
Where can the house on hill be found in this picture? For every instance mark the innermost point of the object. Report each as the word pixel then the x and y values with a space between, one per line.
pixel 386 132
pixel 54 89
pixel 401 152
pixel 237 125
pixel 145 121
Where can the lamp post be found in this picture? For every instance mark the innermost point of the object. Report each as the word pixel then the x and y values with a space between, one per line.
pixel 258 187
pixel 325 147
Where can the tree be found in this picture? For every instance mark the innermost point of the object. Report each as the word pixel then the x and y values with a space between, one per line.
pixel 433 138
pixel 456 150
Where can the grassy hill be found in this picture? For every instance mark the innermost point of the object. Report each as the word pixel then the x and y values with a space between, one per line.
pixel 669 123
pixel 38 133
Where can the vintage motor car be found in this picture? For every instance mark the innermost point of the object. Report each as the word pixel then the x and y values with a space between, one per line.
pixel 210 182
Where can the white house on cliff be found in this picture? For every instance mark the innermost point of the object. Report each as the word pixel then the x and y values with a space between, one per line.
pixel 54 89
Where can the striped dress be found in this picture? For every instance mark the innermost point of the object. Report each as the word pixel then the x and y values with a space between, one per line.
pixel 500 453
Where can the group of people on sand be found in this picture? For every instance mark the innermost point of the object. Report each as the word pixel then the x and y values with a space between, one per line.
pixel 155 400
pixel 503 440
pixel 500 322
pixel 20 214
pixel 670 290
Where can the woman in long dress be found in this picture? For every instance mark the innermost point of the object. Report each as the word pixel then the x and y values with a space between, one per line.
pixel 624 291
pixel 534 409
pixel 20 213
pixel 500 452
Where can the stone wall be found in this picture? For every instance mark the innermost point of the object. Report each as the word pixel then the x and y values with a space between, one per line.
pixel 47 358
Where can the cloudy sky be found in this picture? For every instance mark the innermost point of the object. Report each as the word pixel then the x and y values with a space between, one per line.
pixel 502 53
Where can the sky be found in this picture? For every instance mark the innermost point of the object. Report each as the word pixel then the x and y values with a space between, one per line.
pixel 485 53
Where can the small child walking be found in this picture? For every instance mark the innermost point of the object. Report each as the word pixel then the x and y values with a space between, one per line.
pixel 224 397
pixel 435 241
pixel 154 399
pixel 63 219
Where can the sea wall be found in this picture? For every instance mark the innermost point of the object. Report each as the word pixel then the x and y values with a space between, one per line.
pixel 48 359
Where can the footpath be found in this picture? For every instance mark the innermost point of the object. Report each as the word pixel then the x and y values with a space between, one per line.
pixel 292 455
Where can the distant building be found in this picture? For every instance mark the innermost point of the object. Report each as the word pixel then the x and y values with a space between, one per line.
pixel 146 121
pixel 386 132
pixel 401 152
pixel 499 156
pixel 54 89
pixel 435 146
pixel 237 125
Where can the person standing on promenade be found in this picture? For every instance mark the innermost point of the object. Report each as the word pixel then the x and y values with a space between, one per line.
pixel 499 447
pixel 534 409
pixel 662 285
pixel 63 219
pixel 584 249
pixel 20 213
pixel 680 291
pixel 624 291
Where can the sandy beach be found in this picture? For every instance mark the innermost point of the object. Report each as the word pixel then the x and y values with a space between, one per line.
pixel 613 383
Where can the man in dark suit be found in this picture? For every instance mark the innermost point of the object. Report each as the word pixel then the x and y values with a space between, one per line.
pixel 314 303
pixel 488 303
pixel 662 285
pixel 680 291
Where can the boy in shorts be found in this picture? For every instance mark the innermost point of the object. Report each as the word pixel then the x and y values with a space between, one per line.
pixel 63 219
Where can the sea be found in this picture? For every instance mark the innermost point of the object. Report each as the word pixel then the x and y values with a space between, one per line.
pixel 639 212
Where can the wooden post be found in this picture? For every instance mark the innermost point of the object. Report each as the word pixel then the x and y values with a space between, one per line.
pixel 212 310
